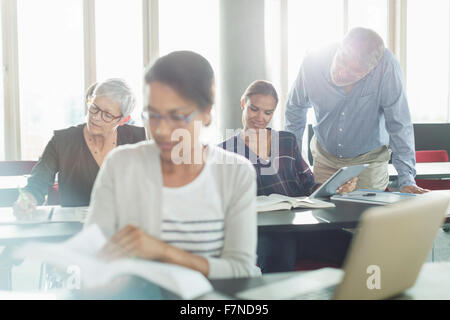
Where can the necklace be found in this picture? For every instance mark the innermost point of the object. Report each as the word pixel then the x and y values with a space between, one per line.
pixel 95 149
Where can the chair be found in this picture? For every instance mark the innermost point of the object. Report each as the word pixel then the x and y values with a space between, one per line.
pixel 432 136
pixel 16 168
pixel 432 156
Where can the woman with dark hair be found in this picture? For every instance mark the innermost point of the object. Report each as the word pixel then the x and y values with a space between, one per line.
pixel 280 169
pixel 170 199
pixel 76 153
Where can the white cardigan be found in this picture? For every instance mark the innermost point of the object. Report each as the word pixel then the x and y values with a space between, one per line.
pixel 128 190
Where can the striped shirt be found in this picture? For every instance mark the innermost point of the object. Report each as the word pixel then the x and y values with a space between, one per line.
pixel 291 176
pixel 193 218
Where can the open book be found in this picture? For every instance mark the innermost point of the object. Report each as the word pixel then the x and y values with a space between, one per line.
pixel 82 249
pixel 280 202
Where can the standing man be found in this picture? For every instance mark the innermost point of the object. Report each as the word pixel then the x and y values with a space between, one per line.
pixel 360 105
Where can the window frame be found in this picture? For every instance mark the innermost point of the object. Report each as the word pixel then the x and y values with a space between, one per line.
pixel 397 19
pixel 396 42
pixel 11 80
pixel 12 126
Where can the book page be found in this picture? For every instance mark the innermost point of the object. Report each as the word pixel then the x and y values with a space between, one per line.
pixel 82 249
pixel 314 203
pixel 301 202
pixel 268 200
pixel 293 200
pixel 270 203
pixel 282 202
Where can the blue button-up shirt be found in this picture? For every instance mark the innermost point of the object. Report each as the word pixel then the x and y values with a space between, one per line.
pixel 374 113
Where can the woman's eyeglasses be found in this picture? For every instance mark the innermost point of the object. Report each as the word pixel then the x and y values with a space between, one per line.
pixel 106 116
pixel 174 120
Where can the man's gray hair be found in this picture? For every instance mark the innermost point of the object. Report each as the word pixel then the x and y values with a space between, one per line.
pixel 367 44
pixel 116 90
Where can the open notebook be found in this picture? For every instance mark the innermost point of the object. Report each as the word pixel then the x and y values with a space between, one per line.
pixel 280 202
pixel 82 249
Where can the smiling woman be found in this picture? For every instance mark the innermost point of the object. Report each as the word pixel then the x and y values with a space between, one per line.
pixel 76 153
pixel 280 169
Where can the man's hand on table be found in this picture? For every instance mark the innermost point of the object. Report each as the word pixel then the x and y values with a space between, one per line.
pixel 414 189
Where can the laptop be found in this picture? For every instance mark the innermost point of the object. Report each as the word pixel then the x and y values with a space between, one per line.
pixel 384 259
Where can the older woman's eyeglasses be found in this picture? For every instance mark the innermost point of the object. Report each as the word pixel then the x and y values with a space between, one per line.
pixel 174 120
pixel 106 116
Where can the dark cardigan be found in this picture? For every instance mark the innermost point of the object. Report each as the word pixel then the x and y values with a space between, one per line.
pixel 68 155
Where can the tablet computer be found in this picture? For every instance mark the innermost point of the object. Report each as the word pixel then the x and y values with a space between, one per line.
pixel 329 187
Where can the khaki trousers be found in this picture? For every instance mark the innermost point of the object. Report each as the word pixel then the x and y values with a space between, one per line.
pixel 375 176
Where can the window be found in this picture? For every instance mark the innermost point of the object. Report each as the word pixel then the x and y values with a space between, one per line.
pixel 2 109
pixel 310 27
pixel 119 48
pixel 50 40
pixel 51 52
pixel 312 24
pixel 427 60
pixel 197 31
pixel 372 14
pixel 273 26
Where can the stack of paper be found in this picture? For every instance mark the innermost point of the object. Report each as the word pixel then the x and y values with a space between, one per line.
pixel 81 251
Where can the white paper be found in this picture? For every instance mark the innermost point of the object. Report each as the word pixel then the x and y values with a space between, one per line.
pixel 81 250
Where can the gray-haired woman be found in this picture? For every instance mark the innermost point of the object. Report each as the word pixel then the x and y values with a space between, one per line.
pixel 76 153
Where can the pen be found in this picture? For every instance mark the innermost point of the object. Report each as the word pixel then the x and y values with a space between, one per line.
pixel 51 213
